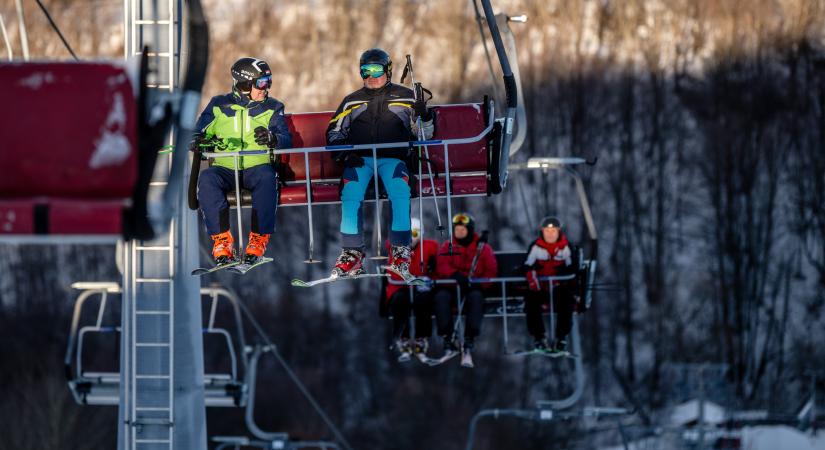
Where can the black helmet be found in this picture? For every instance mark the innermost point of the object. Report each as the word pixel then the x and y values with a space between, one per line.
pixel 245 71
pixel 551 222
pixel 377 56
pixel 465 220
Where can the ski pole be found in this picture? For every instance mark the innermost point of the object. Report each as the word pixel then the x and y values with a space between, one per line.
pixel 419 95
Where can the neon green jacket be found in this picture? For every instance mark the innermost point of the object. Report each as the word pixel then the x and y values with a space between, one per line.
pixel 233 119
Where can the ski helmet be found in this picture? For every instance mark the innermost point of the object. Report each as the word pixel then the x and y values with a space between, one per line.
pixel 465 220
pixel 551 222
pixel 247 72
pixel 377 56
pixel 415 230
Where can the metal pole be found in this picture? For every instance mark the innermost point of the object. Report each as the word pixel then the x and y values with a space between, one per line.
pixel 504 313
pixel 378 240
pixel 238 203
pixel 24 38
pixel 449 197
pixel 702 407
pixel 6 37
pixel 420 210
pixel 309 260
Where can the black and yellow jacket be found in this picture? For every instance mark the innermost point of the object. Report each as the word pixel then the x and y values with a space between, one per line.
pixel 374 116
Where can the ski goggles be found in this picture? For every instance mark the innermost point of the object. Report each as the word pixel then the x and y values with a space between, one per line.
pixel 264 82
pixel 462 219
pixel 416 233
pixel 372 70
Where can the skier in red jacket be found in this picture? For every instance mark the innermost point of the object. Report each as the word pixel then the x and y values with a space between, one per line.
pixel 466 250
pixel 400 303
pixel 549 255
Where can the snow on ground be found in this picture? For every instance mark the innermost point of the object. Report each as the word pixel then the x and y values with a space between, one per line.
pixel 780 438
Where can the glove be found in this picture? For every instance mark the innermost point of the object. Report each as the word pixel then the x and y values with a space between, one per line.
pixel 197 140
pixel 461 279
pixel 264 137
pixel 353 160
pixel 426 287
pixel 533 280
pixel 427 128
pixel 421 110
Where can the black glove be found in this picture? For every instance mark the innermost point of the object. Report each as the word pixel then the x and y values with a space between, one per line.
pixel 353 160
pixel 197 140
pixel 461 279
pixel 264 137
pixel 421 110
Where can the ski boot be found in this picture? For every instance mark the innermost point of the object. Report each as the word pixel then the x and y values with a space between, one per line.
pixel 467 354
pixel 540 344
pixel 420 346
pixel 559 348
pixel 400 262
pixel 256 247
pixel 450 348
pixel 223 250
pixel 350 263
pixel 404 349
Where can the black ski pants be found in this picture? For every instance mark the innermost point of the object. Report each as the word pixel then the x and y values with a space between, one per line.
pixel 473 309
pixel 421 306
pixel 564 304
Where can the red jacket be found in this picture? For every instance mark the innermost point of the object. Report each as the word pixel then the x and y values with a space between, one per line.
pixel 549 259
pixel 430 252
pixel 462 260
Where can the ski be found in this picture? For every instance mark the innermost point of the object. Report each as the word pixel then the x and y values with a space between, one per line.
pixel 408 278
pixel 545 353
pixel 243 268
pixel 204 270
pixel 467 359
pixel 301 283
pixel 438 361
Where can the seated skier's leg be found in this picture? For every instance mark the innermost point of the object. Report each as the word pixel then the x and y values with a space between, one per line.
pixel 263 182
pixel 533 308
pixel 395 178
pixel 474 309
pixel 213 183
pixel 354 182
pixel 443 303
pixel 563 302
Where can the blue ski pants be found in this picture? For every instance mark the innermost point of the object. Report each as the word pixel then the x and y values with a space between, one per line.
pixel 215 182
pixel 395 177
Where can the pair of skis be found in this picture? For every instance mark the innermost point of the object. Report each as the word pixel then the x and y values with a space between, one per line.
pixel 408 278
pixel 235 265
pixel 549 353
pixel 466 359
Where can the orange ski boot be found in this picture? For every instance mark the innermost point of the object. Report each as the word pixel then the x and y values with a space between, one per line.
pixel 256 247
pixel 223 247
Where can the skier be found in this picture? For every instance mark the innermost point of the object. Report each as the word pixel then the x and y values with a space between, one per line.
pixel 244 119
pixel 380 112
pixel 399 301
pixel 549 255
pixel 470 258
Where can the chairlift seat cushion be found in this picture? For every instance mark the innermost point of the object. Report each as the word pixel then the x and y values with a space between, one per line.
pixel 78 177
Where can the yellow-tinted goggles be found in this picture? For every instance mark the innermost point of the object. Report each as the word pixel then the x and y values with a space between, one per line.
pixel 462 219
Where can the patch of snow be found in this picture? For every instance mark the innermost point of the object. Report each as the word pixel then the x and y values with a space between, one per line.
pixel 36 80
pixel 688 412
pixel 780 437
pixel 112 148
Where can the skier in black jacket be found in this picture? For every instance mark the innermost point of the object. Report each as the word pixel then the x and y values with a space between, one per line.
pixel 380 112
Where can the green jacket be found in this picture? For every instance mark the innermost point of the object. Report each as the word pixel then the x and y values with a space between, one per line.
pixel 233 119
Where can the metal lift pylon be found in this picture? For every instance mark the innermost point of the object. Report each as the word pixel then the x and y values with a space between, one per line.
pixel 162 389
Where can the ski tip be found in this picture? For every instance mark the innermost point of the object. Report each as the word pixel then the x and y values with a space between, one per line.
pixel 299 283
